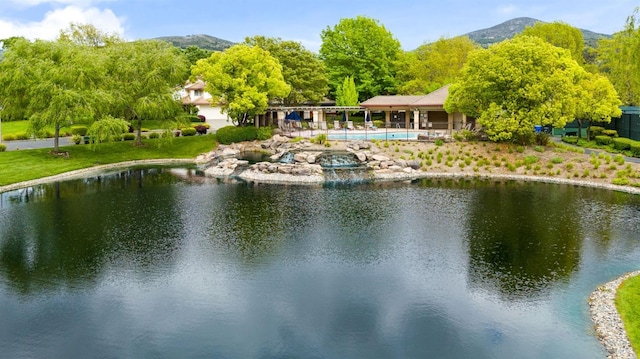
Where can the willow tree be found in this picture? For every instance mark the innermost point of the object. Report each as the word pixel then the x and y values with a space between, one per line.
pixel 52 83
pixel 243 80
pixel 142 77
pixel 363 48
pixel 619 60
pixel 517 84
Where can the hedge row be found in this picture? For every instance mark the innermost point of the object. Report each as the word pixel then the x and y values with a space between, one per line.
pixel 232 134
pixel 604 140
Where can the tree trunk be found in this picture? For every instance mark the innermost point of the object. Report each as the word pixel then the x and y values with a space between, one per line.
pixel 139 134
pixel 56 139
pixel 579 128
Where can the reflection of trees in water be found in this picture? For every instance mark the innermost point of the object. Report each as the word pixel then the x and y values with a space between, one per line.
pixel 73 230
pixel 523 237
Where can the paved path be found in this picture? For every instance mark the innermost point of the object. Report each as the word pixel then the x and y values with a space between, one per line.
pixel 32 144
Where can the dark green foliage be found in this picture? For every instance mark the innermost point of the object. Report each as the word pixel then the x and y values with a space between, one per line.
pixel 232 134
pixel 570 139
pixel 635 149
pixel 154 135
pixel 189 131
pixel 3 147
pixel 610 133
pixel 603 140
pixel 265 133
pixel 79 130
pixel 542 138
pixel 128 136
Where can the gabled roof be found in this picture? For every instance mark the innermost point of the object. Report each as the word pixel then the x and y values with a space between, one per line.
pixel 196 101
pixel 198 85
pixel 433 99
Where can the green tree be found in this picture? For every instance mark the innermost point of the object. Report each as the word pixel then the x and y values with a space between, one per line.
pixel 517 84
pixel 301 69
pixel 88 35
pixel 194 53
pixel 243 79
pixel 559 34
pixel 364 49
pixel 619 59
pixel 52 83
pixel 142 77
pixel 597 101
pixel 433 65
pixel 347 94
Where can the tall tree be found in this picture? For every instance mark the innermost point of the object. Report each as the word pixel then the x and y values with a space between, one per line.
pixel 559 34
pixel 433 65
pixel 363 48
pixel 195 53
pixel 301 69
pixel 142 77
pixel 347 94
pixel 517 84
pixel 243 79
pixel 597 101
pixel 53 83
pixel 619 59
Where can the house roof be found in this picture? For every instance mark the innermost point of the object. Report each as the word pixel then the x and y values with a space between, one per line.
pixel 433 99
pixel 200 100
pixel 198 85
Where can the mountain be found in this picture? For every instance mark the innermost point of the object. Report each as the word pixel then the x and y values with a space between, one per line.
pixel 202 41
pixel 509 29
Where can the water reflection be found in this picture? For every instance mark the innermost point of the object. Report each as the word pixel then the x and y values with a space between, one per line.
pixel 522 238
pixel 165 263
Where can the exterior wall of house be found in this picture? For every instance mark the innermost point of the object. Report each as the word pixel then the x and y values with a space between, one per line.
pixel 214 116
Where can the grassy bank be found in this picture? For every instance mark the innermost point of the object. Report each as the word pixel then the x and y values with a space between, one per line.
pixel 18 166
pixel 627 303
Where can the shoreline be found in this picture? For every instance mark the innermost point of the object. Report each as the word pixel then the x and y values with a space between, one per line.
pixel 607 322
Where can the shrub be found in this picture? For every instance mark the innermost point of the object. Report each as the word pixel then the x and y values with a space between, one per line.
pixel 621 181
pixel 542 138
pixel 76 139
pixel 22 136
pixel 635 149
pixel 128 136
pixel 603 140
pixel 439 142
pixel 595 131
pixel 529 160
pixel 556 160
pixel 520 149
pixel 153 135
pixel 201 130
pixel 570 139
pixel 611 133
pixel 622 143
pixel 190 131
pixel 539 148
pixel 79 130
pixel 8 137
pixel 320 139
pixel 265 133
pixel 3 147
pixel 231 134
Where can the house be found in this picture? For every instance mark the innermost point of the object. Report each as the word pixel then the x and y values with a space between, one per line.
pixel 423 112
pixel 194 94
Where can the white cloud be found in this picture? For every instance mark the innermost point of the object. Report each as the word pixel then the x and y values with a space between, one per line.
pixel 30 3
pixel 507 9
pixel 54 21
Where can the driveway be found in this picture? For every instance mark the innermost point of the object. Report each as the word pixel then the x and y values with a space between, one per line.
pixel 33 144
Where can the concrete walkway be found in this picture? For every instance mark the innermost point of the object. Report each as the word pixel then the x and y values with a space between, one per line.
pixel 33 144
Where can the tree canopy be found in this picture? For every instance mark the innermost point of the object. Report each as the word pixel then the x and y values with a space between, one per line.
pixel 362 48
pixel 433 65
pixel 619 59
pixel 301 69
pixel 559 34
pixel 243 79
pixel 517 84
pixel 347 94
pixel 52 83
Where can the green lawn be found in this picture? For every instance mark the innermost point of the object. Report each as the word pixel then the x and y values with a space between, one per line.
pixel 14 128
pixel 627 301
pixel 24 165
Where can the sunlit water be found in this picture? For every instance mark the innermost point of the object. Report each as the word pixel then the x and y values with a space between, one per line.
pixel 165 264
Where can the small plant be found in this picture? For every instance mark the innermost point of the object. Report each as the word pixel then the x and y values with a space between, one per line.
pixel 529 160
pixel 569 166
pixel 539 149
pixel 511 167
pixel 3 147
pixel 154 135
pixel 77 139
pixel 128 136
pixel 386 144
pixel 556 160
pixel 189 131
pixel 585 174
pixel 520 149
pixel 439 142
pixel 621 181
pixel 619 159
pixel 321 139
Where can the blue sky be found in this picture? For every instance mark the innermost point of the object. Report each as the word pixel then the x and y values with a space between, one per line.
pixel 412 22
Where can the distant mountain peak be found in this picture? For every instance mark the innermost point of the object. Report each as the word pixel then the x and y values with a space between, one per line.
pixel 510 28
pixel 202 41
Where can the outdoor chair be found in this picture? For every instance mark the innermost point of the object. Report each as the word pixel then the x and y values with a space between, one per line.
pixel 336 125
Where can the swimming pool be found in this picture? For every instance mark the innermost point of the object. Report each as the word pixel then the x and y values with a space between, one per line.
pixel 377 135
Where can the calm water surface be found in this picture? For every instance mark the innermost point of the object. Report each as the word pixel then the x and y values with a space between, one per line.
pixel 162 263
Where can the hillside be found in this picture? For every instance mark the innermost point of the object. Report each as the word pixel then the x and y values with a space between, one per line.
pixel 202 41
pixel 509 29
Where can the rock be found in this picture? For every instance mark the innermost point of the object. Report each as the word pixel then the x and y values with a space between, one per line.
pixel 414 164
pixel 395 168
pixel 380 158
pixel 401 163
pixel 300 157
pixel 230 152
pixel 312 158
pixel 362 157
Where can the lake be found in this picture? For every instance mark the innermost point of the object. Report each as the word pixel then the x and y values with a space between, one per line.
pixel 163 263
